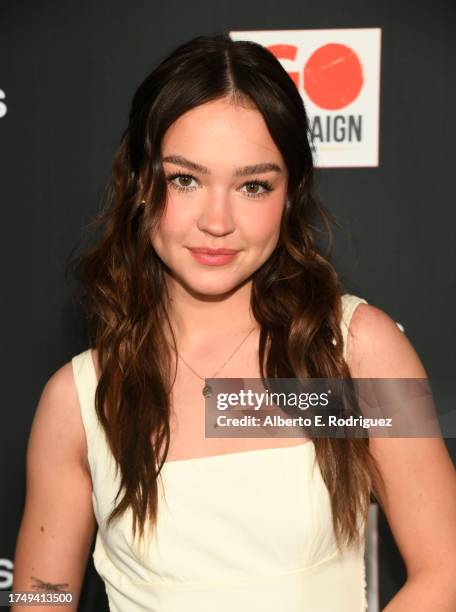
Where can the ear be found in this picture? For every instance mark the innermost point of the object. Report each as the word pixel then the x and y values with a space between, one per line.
pixel 143 193
pixel 141 188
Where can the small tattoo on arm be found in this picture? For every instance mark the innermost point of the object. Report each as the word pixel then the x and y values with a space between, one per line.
pixel 48 586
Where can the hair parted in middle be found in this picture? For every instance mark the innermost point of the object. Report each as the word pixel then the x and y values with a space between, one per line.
pixel 296 293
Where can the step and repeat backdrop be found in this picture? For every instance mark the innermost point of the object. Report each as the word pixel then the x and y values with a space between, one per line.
pixel 377 79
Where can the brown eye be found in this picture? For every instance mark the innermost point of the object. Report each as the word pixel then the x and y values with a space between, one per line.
pixel 181 177
pixel 185 178
pixel 255 184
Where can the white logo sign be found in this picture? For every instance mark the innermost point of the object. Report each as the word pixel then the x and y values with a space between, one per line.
pixel 337 72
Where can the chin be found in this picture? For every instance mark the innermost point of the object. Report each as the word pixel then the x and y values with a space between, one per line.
pixel 206 291
pixel 210 289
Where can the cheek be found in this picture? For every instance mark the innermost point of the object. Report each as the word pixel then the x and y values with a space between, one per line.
pixel 174 224
pixel 264 227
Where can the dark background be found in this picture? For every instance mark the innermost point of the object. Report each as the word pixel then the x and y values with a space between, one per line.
pixel 68 71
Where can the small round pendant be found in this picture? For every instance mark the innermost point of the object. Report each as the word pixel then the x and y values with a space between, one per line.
pixel 207 390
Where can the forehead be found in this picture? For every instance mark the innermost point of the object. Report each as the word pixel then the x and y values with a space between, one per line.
pixel 221 133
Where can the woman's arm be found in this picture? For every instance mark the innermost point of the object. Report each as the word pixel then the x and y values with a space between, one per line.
pixel 420 478
pixel 58 523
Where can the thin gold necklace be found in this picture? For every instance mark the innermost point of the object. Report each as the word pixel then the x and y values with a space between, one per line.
pixel 207 389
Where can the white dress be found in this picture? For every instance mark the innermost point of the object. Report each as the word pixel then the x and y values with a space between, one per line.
pixel 236 532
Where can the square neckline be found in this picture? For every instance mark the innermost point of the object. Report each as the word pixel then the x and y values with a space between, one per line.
pixel 241 454
pixel 218 456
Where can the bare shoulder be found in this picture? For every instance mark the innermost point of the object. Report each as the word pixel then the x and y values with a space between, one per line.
pixel 53 541
pixel 420 478
pixel 58 415
pixel 377 348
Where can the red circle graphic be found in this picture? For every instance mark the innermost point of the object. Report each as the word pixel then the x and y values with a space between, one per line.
pixel 333 76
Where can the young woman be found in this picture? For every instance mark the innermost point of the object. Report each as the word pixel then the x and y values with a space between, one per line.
pixel 207 267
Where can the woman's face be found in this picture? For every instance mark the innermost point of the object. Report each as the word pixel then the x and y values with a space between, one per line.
pixel 227 185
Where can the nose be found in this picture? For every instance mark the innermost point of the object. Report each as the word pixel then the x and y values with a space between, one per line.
pixel 216 216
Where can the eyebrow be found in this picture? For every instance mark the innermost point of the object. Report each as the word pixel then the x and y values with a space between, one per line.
pixel 244 171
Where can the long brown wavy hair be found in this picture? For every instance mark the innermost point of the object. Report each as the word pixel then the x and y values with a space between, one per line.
pixel 296 294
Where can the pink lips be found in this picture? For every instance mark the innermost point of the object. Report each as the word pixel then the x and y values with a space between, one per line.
pixel 213 257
